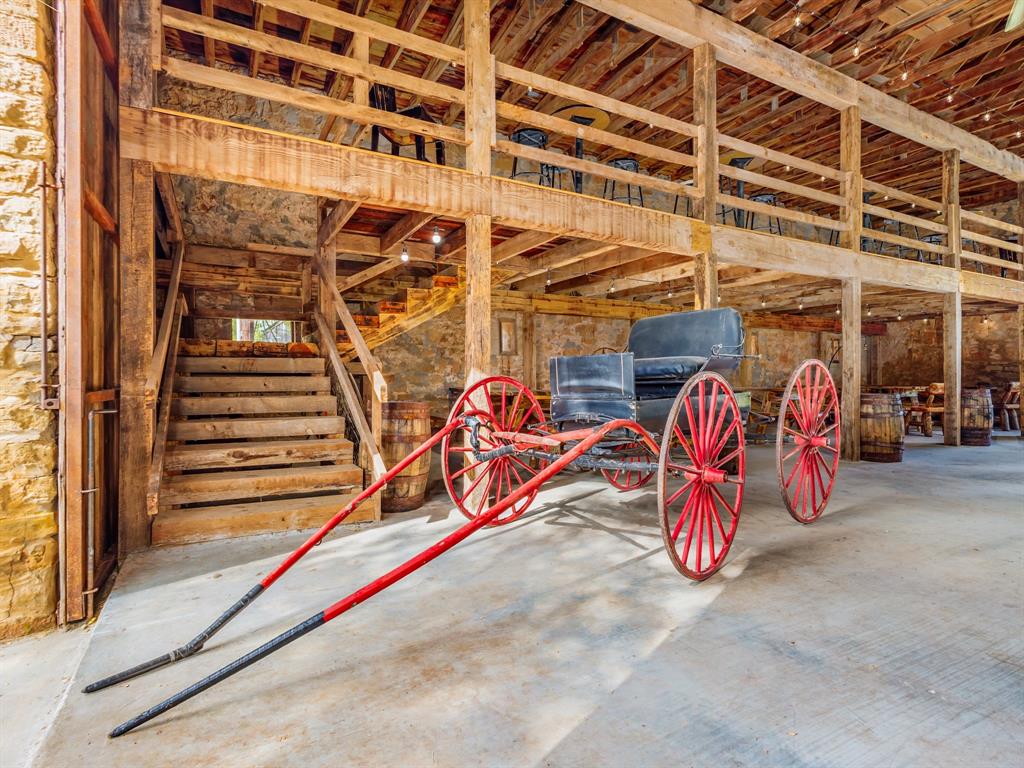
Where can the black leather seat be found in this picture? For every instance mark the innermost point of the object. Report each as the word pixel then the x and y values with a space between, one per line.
pixel 666 368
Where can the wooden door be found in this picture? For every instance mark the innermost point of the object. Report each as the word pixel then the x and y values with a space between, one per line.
pixel 87 290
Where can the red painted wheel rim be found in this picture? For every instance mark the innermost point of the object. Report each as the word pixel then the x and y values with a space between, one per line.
pixel 807 441
pixel 503 405
pixel 699 504
pixel 629 479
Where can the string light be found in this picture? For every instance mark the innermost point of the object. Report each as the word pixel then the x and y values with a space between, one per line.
pixel 611 288
pixel 436 237
pixel 548 281
pixel 788 169
pixel 949 97
pixel 797 22
pixel 764 303
pixel 800 305
pixel 869 311
pixel 670 294
pixel 838 311
pixel 856 51
pixel 405 253
pixel 899 315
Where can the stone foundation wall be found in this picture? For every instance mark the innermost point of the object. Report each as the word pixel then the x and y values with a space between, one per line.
pixel 28 450
pixel 911 353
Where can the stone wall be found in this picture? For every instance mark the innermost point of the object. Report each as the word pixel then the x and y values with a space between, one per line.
pixel 28 490
pixel 911 353
pixel 425 362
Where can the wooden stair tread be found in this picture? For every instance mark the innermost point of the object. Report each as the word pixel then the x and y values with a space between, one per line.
pixel 273 426
pixel 182 526
pixel 213 405
pixel 272 365
pixel 227 485
pixel 254 454
pixel 271 383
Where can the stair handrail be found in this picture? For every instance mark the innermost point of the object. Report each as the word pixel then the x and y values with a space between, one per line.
pixel 163 414
pixel 163 337
pixel 353 403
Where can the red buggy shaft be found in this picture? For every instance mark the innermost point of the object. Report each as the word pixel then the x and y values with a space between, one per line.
pixel 385 581
pixel 196 643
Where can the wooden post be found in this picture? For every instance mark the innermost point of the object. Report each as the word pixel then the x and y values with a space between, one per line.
pixel 853 183
pixel 951 367
pixel 705 116
pixel 951 206
pixel 1020 350
pixel 478 298
pixel 1020 238
pixel 850 410
pixel 480 109
pixel 140 48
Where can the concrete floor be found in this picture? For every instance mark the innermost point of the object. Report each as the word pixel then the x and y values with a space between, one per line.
pixel 887 634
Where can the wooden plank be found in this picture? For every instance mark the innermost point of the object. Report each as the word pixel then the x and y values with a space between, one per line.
pixel 993 241
pixel 763 180
pixel 228 521
pixel 705 115
pixel 745 49
pixel 336 219
pixel 275 426
pixel 851 373
pixel 376 30
pixel 353 402
pixel 293 365
pixel 530 117
pixel 595 169
pixel 265 404
pixel 903 218
pixel 295 97
pixel 306 54
pixel 163 338
pixel 163 418
pixel 781 158
pixel 583 96
pixel 899 194
pixel 992 260
pixel 370 273
pixel 988 221
pixel 166 188
pixel 777 211
pixel 952 366
pixel 220 384
pixel 906 242
pixel 253 454
pixel 253 483
pixel 566 254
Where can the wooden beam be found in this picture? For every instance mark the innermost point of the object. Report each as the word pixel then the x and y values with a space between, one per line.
pixel 336 220
pixel 480 107
pixel 689 25
pixel 705 115
pixel 370 273
pixel 951 207
pixel 850 384
pixel 407 226
pixel 852 185
pixel 952 367
pixel 568 253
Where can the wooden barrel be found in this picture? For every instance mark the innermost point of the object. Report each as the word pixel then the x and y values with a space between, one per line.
pixel 404 425
pixel 976 417
pixel 881 427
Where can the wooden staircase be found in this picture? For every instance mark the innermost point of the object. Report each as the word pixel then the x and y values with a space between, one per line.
pixel 255 445
pixel 413 307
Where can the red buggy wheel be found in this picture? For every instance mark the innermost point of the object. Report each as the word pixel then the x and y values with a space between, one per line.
pixel 698 500
pixel 501 404
pixel 631 479
pixel 807 441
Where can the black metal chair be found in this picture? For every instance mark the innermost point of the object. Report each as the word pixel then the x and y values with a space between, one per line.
pixel 624 164
pixel 382 97
pixel 545 174
pixel 773 223
pixel 736 188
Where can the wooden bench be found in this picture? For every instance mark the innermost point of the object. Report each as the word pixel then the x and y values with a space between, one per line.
pixel 1007 406
pixel 919 415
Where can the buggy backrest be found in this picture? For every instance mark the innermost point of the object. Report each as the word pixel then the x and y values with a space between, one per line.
pixel 687 333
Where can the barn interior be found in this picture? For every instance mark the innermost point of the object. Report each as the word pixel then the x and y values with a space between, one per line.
pixel 255 253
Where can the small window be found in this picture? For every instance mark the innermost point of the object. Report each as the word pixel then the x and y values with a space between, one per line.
pixel 261 330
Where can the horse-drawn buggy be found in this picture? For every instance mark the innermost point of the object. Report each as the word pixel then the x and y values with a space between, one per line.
pixel 662 410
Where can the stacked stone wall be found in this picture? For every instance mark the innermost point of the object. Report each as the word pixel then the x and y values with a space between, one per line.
pixel 28 443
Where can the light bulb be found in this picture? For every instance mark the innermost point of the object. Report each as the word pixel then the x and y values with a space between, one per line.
pixel 405 253
pixel 949 98
pixel 764 303
pixel 1018 133
pixel 822 179
pixel 904 76
pixel 886 197
pixel 988 116
pixel 436 237
pixel 856 51
pixel 899 315
pixel 800 305
pixel 611 288
pixel 788 169
pixel 924 319
pixel 797 21
pixel 838 312
pixel 869 313
pixel 670 294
